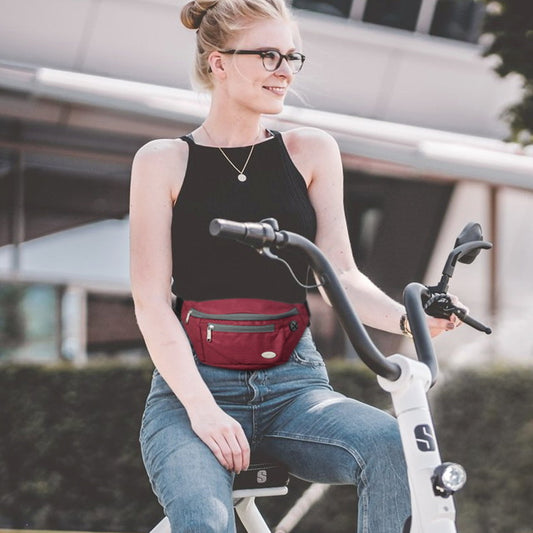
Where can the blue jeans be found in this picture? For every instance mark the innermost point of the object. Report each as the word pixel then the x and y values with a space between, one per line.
pixel 291 413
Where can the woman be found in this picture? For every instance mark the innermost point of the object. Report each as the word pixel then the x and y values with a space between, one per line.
pixel 202 419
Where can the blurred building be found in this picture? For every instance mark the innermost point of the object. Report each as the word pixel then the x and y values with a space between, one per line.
pixel 400 83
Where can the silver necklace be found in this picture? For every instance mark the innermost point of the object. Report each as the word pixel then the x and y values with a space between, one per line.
pixel 241 176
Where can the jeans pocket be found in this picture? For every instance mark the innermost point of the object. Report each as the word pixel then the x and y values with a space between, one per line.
pixel 307 358
pixel 306 353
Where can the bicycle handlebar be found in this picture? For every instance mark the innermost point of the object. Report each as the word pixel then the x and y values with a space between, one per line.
pixel 265 234
pixel 262 234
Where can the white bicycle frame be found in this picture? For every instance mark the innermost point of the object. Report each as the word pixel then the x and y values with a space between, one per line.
pixel 406 379
pixel 430 513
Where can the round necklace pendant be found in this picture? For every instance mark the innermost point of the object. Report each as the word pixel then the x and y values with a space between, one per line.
pixel 241 177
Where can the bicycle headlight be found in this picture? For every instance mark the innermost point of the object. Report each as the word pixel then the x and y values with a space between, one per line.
pixel 448 478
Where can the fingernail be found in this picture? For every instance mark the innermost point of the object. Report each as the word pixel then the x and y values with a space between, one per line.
pixel 450 325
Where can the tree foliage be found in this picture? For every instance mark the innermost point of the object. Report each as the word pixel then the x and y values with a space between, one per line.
pixel 510 22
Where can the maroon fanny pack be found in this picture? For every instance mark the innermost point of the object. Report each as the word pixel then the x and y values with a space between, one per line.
pixel 244 333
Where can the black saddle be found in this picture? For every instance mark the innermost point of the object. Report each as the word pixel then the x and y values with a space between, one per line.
pixel 262 473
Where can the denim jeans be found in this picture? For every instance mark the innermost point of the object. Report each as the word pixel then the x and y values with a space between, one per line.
pixel 291 413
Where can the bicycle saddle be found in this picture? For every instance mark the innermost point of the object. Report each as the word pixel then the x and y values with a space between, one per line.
pixel 263 472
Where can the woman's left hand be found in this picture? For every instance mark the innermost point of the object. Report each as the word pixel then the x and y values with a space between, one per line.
pixel 440 325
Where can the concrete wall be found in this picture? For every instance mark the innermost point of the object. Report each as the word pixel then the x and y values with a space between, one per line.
pixel 353 67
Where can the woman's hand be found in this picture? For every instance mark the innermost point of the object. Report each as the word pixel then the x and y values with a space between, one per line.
pixel 440 325
pixel 224 436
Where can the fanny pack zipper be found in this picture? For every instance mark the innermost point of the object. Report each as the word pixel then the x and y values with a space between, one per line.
pixel 239 316
pixel 229 328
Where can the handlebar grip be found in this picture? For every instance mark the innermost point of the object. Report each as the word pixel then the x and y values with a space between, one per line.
pixel 472 322
pixel 220 227
pixel 258 234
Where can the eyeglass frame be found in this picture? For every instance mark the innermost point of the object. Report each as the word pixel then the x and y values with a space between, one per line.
pixel 262 53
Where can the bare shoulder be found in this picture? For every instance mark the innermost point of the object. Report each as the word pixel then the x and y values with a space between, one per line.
pixel 161 162
pixel 161 149
pixel 309 139
pixel 310 149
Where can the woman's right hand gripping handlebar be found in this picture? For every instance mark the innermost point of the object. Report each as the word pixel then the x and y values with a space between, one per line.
pixel 154 169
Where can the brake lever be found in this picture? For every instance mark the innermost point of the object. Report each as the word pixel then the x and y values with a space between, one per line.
pixel 440 305
pixel 462 315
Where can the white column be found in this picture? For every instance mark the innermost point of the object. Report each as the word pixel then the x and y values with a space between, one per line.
pixel 425 16
pixel 74 325
pixel 358 9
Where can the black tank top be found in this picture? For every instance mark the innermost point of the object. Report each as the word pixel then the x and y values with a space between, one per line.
pixel 208 268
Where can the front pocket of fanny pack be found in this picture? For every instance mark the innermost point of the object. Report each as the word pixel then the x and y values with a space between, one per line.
pixel 251 340
pixel 243 345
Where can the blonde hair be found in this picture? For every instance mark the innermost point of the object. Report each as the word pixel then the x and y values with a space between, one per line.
pixel 217 21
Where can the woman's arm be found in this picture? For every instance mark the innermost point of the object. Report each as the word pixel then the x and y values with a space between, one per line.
pixel 157 173
pixel 317 156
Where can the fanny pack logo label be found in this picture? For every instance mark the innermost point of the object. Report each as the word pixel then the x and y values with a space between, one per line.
pixel 268 355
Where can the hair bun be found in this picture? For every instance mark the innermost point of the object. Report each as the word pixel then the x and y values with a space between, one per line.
pixel 193 12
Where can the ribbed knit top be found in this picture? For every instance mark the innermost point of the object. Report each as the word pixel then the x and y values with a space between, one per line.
pixel 207 268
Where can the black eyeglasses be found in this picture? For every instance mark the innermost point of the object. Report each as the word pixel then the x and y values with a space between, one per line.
pixel 272 58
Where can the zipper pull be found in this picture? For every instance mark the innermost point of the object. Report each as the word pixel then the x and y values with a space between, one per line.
pixel 188 316
pixel 210 329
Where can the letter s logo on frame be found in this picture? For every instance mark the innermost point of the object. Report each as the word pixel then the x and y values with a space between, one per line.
pixel 425 440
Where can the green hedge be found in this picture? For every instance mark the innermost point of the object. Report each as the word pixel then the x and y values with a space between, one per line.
pixel 69 453
pixel 485 422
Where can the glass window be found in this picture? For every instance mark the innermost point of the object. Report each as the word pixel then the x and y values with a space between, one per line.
pixel 461 20
pixel 339 8
pixel 29 322
pixel 401 14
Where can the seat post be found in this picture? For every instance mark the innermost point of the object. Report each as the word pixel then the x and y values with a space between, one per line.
pixel 249 515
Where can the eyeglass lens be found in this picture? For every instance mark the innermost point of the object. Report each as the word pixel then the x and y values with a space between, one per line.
pixel 272 60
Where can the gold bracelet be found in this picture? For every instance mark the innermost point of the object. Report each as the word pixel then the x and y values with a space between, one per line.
pixel 404 326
